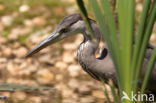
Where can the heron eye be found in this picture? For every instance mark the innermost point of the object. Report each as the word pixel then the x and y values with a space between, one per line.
pixel 64 30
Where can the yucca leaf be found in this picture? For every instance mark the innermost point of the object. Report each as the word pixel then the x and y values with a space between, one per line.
pixel 104 28
pixel 139 38
pixel 148 32
pixel 149 69
pixel 85 14
pixel 114 37
pixel 114 93
pixel 106 93
pixel 127 53
pixel 106 7
pixel 125 11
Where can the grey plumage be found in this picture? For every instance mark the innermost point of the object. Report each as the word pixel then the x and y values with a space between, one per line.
pixel 100 68
pixel 69 20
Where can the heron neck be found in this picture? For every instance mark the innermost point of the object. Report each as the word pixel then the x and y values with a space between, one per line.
pixel 96 32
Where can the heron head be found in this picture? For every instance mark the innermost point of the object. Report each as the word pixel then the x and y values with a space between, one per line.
pixel 70 25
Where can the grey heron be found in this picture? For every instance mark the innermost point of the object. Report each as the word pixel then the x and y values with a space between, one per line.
pixel 101 68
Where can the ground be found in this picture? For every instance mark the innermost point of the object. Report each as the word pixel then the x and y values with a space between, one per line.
pixel 23 24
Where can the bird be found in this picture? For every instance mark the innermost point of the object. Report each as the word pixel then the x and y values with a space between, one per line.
pixel 100 68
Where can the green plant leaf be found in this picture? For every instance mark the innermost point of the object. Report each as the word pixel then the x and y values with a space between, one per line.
pixel 85 14
pixel 149 69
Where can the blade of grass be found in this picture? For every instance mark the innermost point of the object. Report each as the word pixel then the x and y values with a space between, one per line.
pixel 149 70
pixel 126 26
pixel 139 38
pixel 115 96
pixel 114 37
pixel 106 93
pixel 148 32
pixel 106 7
pixel 85 16
pixel 104 28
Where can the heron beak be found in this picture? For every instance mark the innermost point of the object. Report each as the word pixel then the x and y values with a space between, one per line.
pixel 54 37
